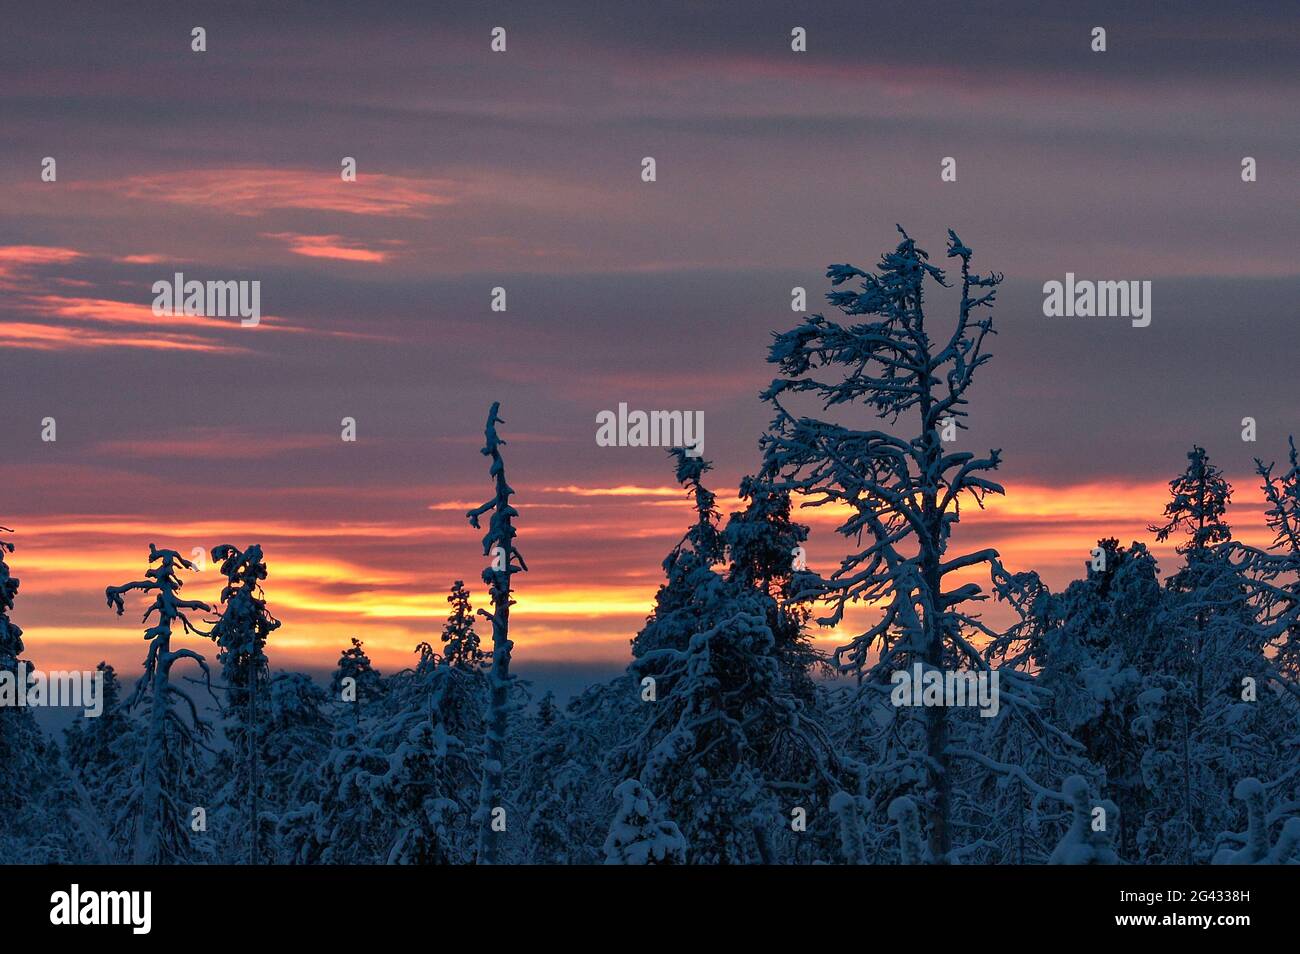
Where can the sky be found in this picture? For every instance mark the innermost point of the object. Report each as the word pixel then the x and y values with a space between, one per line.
pixel 522 170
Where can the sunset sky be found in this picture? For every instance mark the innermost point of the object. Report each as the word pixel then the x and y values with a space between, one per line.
pixel 522 170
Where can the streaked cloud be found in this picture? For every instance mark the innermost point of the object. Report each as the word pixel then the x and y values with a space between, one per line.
pixel 329 246
pixel 255 191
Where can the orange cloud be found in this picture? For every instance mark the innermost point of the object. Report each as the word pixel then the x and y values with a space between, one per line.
pixel 625 490
pixel 327 246
pixel 16 260
pixel 166 332
pixel 252 191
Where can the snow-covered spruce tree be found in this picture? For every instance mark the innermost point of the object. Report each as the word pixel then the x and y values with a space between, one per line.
pixel 101 755
pixel 728 744
pixel 241 633
pixel 164 788
pixel 423 797
pixel 566 783
pixel 294 744
pixel 499 547
pixel 762 545
pixel 547 711
pixel 689 599
pixel 720 700
pixel 640 835
pixel 1093 648
pixel 1218 640
pixel 355 682
pixel 1201 732
pixel 340 826
pixel 17 729
pixel 903 492
pixel 32 789
pixel 460 644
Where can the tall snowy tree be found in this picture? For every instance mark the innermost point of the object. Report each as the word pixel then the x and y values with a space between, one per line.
pixel 16 728
pixel 688 600
pixel 161 800
pixel 32 796
pixel 765 554
pixel 1203 731
pixel 903 492
pixel 499 547
pixel 241 633
pixel 728 739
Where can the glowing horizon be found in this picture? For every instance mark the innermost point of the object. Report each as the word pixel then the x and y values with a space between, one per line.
pixel 350 589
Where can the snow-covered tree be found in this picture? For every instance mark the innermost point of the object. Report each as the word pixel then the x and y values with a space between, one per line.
pixel 499 547
pixel 163 789
pixel 423 797
pixel 764 553
pixel 729 742
pixel 101 755
pixel 241 633
pixel 566 780
pixel 17 730
pixel 294 744
pixel 640 835
pixel 903 492
pixel 1275 575
pixel 355 681
pixel 547 712
pixel 460 642
pixel 1256 847
pixel 1202 734
pixel 33 792
pixel 1088 839
pixel 1093 649
pixel 689 599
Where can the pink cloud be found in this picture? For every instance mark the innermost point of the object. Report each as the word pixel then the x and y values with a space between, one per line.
pixel 17 334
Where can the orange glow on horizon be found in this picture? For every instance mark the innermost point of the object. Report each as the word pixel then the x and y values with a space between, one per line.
pixel 330 580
